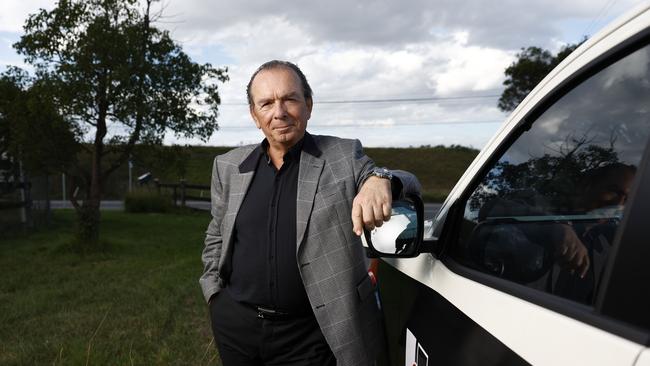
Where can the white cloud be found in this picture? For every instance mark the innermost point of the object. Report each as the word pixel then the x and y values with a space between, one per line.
pixel 369 50
pixel 15 12
pixel 504 24
pixel 471 68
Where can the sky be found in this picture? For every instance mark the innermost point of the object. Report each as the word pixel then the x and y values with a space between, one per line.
pixel 389 73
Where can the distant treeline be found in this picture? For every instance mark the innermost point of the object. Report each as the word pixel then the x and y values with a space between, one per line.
pixel 438 168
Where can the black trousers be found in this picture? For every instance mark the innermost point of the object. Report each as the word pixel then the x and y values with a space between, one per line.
pixel 244 339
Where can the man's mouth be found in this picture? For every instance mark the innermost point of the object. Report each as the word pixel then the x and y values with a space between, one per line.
pixel 283 128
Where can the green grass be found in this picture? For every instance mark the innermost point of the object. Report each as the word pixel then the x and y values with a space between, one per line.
pixel 139 303
pixel 147 201
pixel 438 168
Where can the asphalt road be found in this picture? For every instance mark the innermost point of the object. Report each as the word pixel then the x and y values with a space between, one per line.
pixel 430 209
pixel 119 205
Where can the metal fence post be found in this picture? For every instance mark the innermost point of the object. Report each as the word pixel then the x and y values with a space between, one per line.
pixel 27 202
pixel 183 193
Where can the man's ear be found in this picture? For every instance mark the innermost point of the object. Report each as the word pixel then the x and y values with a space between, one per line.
pixel 310 104
pixel 257 123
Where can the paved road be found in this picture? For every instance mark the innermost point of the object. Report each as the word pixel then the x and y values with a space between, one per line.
pixel 105 205
pixel 430 209
pixel 119 205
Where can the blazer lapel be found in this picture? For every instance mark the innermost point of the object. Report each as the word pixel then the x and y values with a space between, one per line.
pixel 239 183
pixel 308 176
pixel 242 181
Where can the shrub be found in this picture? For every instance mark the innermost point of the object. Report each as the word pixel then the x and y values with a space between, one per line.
pixel 147 201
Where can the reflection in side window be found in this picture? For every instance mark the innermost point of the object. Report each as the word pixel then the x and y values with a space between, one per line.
pixel 545 215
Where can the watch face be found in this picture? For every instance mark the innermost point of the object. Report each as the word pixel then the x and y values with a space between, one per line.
pixel 382 173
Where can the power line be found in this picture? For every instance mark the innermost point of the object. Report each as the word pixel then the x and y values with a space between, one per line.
pixel 357 125
pixel 393 100
pixel 403 100
pixel 601 14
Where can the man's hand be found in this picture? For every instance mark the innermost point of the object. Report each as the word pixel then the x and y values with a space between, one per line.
pixel 571 254
pixel 372 205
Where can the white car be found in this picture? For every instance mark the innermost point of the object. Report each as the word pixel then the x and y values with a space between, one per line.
pixel 541 253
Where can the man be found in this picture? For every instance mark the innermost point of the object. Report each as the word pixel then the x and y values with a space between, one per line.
pixel 285 272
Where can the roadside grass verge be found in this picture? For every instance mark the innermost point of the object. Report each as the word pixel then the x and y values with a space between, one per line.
pixel 137 304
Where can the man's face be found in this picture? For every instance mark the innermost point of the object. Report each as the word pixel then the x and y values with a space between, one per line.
pixel 613 190
pixel 279 107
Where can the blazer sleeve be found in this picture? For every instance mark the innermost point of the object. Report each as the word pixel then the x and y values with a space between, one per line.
pixel 403 182
pixel 210 280
pixel 362 165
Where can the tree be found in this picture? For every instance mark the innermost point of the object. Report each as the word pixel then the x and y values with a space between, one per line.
pixel 9 92
pixel 531 66
pixel 109 68
pixel 33 130
pixel 556 176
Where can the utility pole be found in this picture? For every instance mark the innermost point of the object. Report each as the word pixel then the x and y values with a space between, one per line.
pixel 130 173
pixel 23 194
pixel 63 187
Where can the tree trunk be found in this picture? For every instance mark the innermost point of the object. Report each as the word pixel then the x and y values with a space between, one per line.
pixel 88 226
pixel 48 208
pixel 88 212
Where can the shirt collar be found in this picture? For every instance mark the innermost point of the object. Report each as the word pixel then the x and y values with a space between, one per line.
pixel 292 155
pixel 306 144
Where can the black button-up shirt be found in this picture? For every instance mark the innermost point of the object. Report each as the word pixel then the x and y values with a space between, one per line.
pixel 264 266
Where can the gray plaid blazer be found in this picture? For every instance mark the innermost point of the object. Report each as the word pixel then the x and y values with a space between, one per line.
pixel 332 261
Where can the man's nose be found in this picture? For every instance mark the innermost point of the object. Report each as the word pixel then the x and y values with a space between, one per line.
pixel 279 110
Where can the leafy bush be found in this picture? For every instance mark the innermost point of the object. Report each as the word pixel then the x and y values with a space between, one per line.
pixel 147 201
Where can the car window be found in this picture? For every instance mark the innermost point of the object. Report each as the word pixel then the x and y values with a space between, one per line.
pixel 546 213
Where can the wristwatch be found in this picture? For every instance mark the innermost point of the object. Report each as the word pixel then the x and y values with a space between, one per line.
pixel 381 173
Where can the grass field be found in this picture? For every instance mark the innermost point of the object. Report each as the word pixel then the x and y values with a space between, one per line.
pixel 438 168
pixel 137 304
pixel 140 302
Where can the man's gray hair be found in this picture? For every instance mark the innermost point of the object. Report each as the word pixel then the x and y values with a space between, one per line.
pixel 306 89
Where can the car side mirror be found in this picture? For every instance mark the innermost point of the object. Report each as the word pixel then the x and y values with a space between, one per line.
pixel 401 236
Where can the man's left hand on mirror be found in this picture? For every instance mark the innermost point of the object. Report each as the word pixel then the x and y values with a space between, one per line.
pixel 372 205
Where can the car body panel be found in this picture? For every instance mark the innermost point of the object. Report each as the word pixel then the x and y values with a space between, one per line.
pixel 528 325
pixel 644 358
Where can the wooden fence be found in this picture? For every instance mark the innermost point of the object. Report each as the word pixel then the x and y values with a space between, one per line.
pixel 180 192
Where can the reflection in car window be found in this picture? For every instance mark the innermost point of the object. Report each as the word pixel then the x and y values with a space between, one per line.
pixel 546 213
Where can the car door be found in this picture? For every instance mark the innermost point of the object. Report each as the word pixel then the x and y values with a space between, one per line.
pixel 543 255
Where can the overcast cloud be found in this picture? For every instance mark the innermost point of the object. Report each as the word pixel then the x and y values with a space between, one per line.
pixel 359 50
